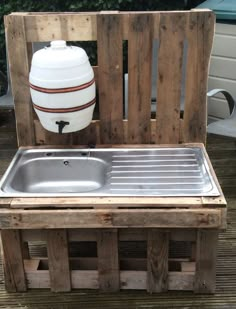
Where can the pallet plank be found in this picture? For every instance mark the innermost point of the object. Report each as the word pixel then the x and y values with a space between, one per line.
pixel 170 65
pixel 134 234
pixel 13 261
pixel 130 280
pixel 157 261
pixel 110 218
pixel 139 69
pixel 200 36
pixel 108 260
pixel 110 70
pixel 58 260
pixel 19 70
pixel 206 251
pixel 59 26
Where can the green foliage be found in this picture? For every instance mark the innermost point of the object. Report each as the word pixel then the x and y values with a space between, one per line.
pixel 8 6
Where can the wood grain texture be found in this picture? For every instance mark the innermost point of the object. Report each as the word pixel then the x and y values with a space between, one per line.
pixel 206 250
pixel 19 70
pixel 108 260
pixel 5 202
pixel 157 261
pixel 113 28
pixel 140 72
pixel 58 260
pixel 110 70
pixel 59 26
pixel 169 81
pixel 13 261
pixel 199 34
pixel 134 234
pixel 110 218
pixel 130 280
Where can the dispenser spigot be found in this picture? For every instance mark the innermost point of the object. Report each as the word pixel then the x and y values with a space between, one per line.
pixel 61 124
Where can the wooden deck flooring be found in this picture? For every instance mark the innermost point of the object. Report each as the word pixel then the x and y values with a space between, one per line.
pixel 222 152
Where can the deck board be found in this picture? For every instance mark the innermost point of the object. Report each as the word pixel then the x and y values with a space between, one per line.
pixel 222 153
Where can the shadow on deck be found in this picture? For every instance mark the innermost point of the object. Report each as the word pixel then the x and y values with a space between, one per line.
pixel 222 152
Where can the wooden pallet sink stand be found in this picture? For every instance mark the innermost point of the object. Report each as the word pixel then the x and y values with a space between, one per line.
pixel 111 225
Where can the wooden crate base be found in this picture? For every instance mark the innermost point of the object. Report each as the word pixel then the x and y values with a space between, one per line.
pixel 110 259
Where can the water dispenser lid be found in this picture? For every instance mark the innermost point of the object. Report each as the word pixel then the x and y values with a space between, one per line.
pixel 59 55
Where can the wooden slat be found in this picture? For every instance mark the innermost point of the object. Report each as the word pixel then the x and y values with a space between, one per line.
pixel 31 264
pixel 25 249
pixel 110 70
pixel 157 261
pixel 139 69
pixel 58 260
pixel 19 69
pixel 188 266
pixel 92 133
pixel 108 260
pixel 139 234
pixel 170 65
pixel 87 136
pixel 200 32
pixel 5 202
pixel 13 261
pixel 88 279
pixel 68 27
pixel 114 202
pixel 110 218
pixel 206 250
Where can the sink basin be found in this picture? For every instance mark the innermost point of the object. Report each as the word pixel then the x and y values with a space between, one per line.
pixel 59 175
pixel 109 172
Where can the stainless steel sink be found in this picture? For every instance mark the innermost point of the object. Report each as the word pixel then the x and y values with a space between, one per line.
pixel 109 172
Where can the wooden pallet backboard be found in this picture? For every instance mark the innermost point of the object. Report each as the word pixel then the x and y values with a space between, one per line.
pixel 173 30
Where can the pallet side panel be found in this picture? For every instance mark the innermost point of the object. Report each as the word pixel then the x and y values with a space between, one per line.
pixel 110 30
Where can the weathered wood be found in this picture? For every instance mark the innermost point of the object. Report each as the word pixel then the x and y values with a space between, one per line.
pixel 188 266
pixel 84 279
pixel 172 29
pixel 19 69
pixel 13 261
pixel 134 234
pixel 31 265
pixel 108 260
pixel 111 218
pixel 110 202
pixel 58 26
pixel 157 261
pixel 110 70
pixel 58 260
pixel 5 202
pixel 169 81
pixel 199 34
pixel 25 249
pixel 140 72
pixel 139 30
pixel 206 250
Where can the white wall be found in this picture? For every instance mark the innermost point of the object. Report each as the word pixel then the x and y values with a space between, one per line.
pixel 222 68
